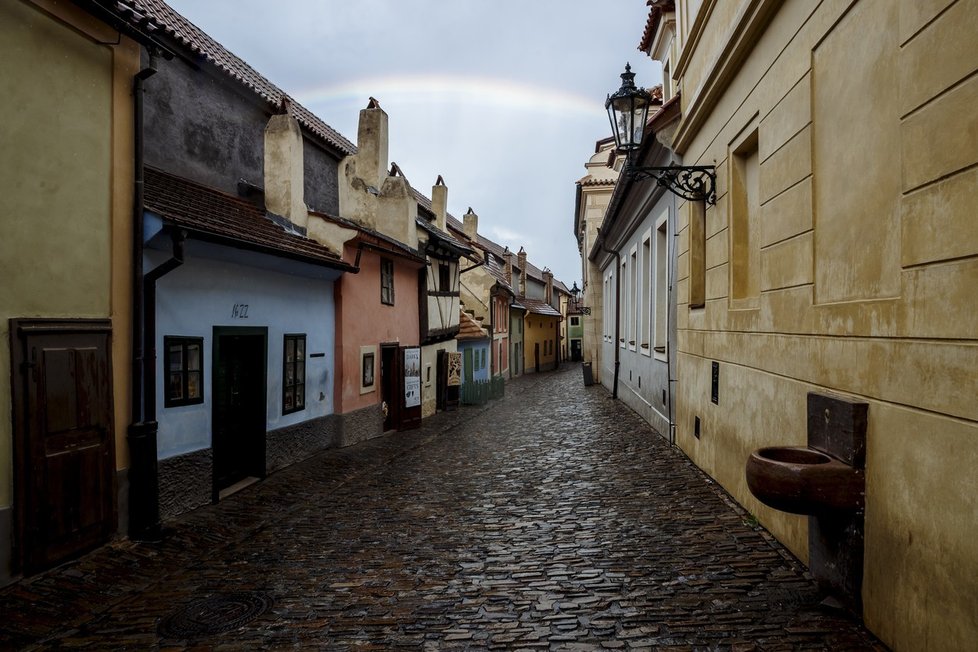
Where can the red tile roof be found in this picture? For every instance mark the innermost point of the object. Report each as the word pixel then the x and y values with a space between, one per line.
pixel 539 307
pixel 228 219
pixel 200 43
pixel 469 329
pixel 658 7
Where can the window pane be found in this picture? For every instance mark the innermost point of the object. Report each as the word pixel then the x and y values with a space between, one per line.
pixel 300 373
pixel 176 386
pixel 289 375
pixel 300 348
pixel 288 399
pixel 300 397
pixel 175 356
pixel 193 357
pixel 289 349
pixel 193 384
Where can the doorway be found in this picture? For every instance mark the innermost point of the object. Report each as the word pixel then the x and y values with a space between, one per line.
pixel 389 385
pixel 240 404
pixel 64 448
pixel 576 350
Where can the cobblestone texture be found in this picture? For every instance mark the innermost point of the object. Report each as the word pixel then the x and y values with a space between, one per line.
pixel 550 519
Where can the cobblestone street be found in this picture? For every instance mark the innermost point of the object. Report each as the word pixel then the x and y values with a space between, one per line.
pixel 553 518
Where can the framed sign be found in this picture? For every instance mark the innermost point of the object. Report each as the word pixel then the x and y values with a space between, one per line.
pixel 412 377
pixel 454 369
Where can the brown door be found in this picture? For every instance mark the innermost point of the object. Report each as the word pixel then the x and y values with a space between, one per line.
pixel 389 386
pixel 65 454
pixel 239 415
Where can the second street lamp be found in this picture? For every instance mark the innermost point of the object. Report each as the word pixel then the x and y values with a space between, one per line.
pixel 628 111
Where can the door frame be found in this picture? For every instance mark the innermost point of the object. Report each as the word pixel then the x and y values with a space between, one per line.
pixel 20 330
pixel 259 453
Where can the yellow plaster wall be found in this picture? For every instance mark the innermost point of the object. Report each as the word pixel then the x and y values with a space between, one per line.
pixel 536 329
pixel 64 239
pixel 869 270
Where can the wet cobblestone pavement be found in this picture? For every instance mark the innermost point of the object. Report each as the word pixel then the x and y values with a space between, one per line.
pixel 551 519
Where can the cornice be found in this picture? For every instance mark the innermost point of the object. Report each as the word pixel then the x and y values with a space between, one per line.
pixel 752 20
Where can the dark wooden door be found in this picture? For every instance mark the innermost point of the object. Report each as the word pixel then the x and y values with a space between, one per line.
pixel 65 458
pixel 239 405
pixel 390 385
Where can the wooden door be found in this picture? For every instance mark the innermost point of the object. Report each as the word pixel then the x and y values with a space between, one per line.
pixel 240 401
pixel 65 450
pixel 389 385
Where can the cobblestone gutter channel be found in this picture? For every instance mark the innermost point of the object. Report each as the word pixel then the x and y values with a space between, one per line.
pixel 550 519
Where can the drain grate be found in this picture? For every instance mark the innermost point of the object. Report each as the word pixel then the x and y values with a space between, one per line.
pixel 215 614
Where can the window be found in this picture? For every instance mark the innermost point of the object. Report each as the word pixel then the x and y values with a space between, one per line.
pixel 387 281
pixel 623 301
pixel 575 321
pixel 697 253
pixel 644 330
pixel 294 374
pixel 444 277
pixel 661 281
pixel 184 369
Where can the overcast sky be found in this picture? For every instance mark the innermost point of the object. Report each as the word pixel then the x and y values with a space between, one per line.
pixel 504 99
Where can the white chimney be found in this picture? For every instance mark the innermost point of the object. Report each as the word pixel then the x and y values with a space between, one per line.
pixel 439 203
pixel 470 224
pixel 284 178
pixel 372 145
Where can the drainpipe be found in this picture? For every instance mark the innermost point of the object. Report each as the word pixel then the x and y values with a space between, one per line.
pixel 614 387
pixel 144 520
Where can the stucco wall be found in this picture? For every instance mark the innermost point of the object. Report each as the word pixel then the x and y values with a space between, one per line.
pixel 203 126
pixel 57 95
pixel 201 294
pixel 537 329
pixel 868 260
pixel 364 321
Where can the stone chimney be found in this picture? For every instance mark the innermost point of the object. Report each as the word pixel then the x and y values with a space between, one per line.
pixel 521 258
pixel 439 203
pixel 548 291
pixel 470 224
pixel 372 145
pixel 284 189
pixel 508 269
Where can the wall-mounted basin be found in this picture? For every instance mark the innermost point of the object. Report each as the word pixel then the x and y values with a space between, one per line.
pixel 804 481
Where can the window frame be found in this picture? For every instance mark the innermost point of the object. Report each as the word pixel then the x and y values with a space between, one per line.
pixel 286 339
pixel 387 281
pixel 184 341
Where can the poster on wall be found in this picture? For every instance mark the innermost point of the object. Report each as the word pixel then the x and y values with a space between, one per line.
pixel 454 369
pixel 412 377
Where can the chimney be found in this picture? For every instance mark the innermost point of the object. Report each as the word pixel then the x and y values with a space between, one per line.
pixel 284 187
pixel 508 266
pixel 548 292
pixel 372 145
pixel 439 203
pixel 470 224
pixel 521 258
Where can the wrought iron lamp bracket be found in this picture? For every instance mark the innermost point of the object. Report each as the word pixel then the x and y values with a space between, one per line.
pixel 692 182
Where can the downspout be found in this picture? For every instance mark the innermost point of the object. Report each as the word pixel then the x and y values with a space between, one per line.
pixel 614 387
pixel 149 344
pixel 144 518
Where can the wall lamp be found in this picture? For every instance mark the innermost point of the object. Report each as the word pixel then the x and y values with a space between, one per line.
pixel 628 110
pixel 576 293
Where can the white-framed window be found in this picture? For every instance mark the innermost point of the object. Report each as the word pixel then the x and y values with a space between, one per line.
pixel 623 301
pixel 368 369
pixel 645 330
pixel 634 299
pixel 661 273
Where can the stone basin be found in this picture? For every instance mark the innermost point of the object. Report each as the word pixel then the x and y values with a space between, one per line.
pixel 803 480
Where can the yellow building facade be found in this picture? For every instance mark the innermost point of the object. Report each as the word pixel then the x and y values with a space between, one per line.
pixel 66 177
pixel 841 257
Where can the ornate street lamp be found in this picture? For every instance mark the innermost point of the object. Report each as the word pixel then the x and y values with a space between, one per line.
pixel 576 291
pixel 628 110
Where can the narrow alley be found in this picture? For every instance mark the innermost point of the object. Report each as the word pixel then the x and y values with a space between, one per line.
pixel 528 523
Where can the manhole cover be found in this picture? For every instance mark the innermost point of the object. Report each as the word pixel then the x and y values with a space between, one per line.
pixel 215 614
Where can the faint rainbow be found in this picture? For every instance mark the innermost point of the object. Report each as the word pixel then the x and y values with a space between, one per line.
pixel 428 89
